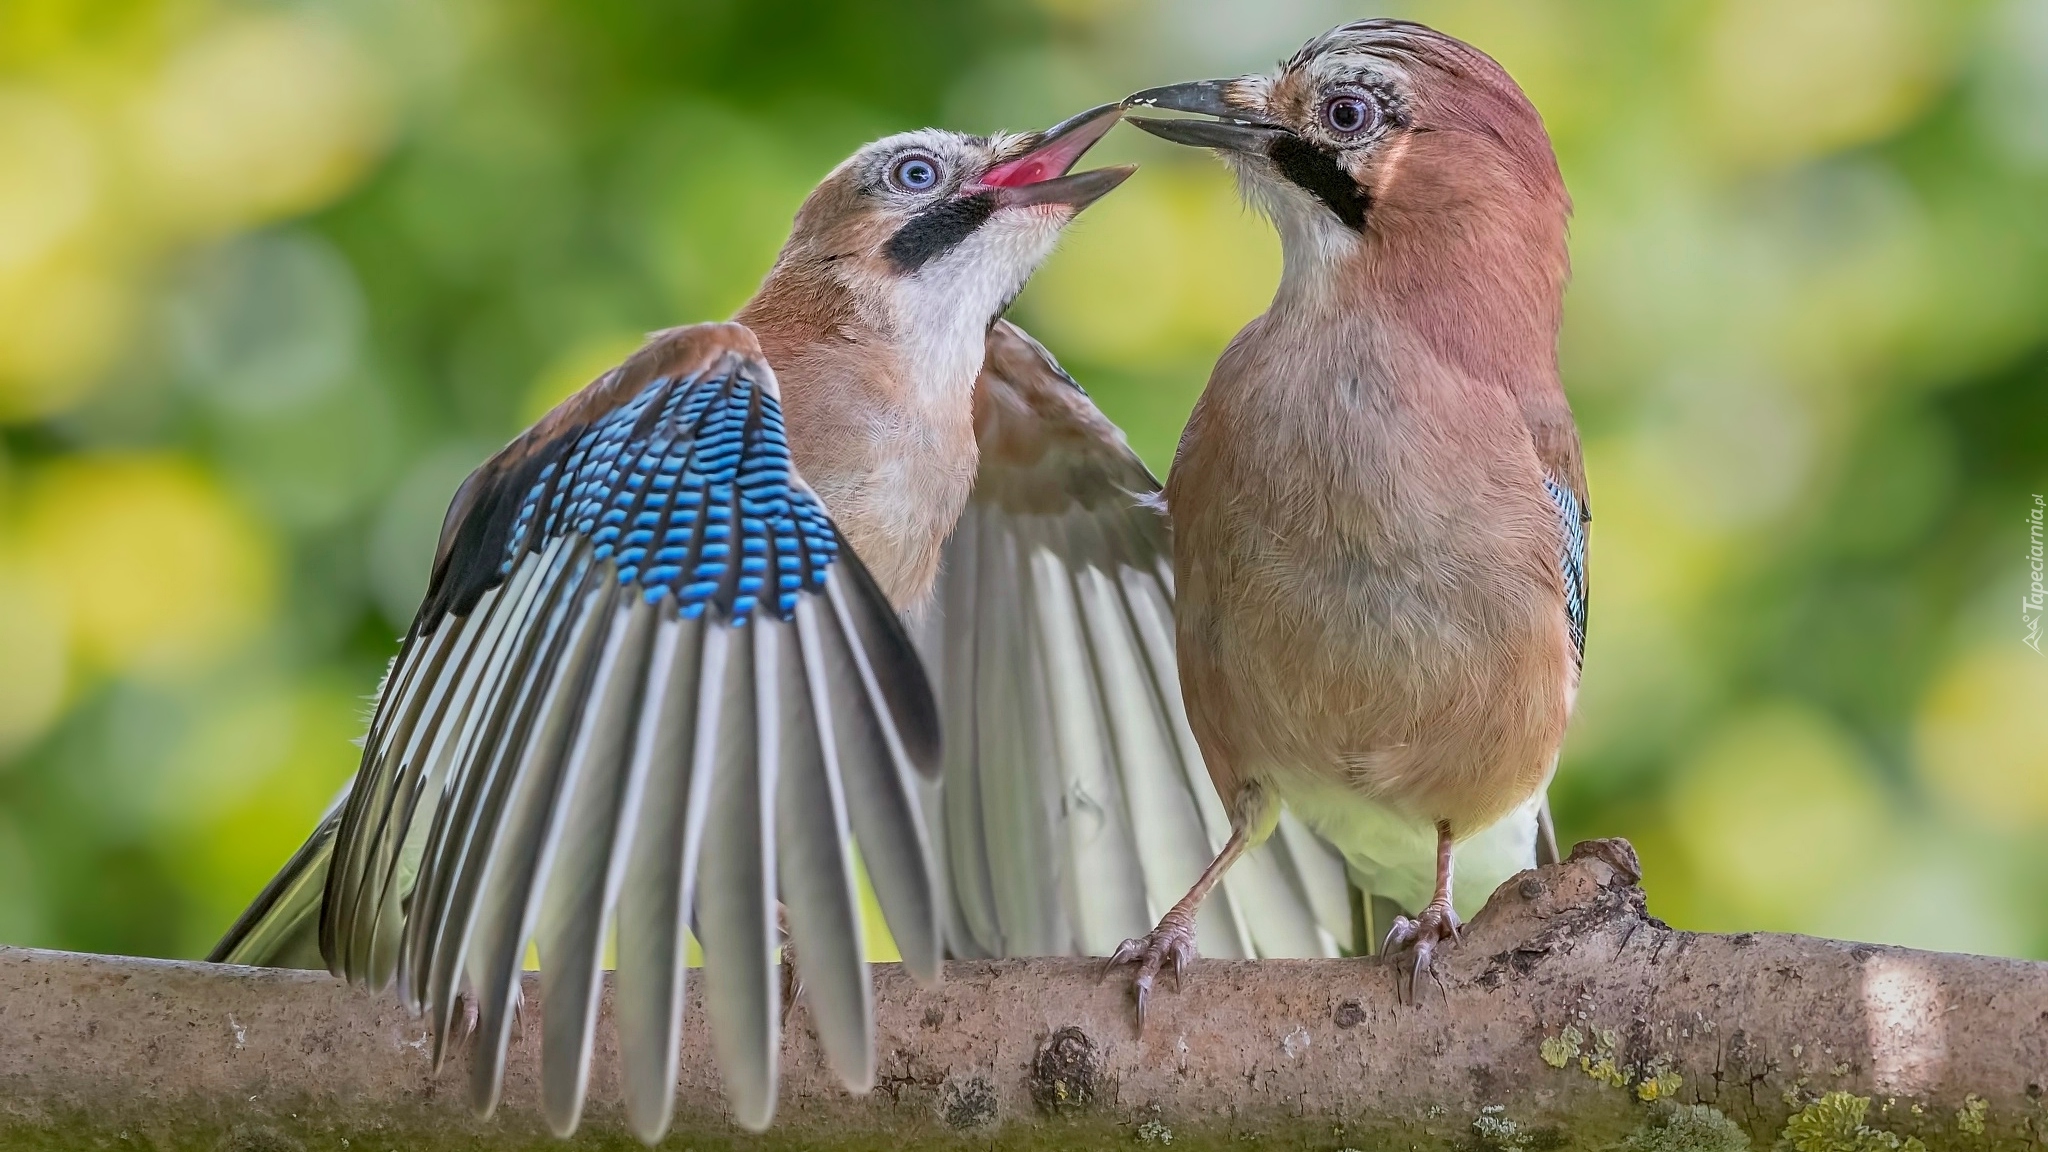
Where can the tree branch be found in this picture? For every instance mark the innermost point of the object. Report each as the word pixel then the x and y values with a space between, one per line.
pixel 1566 1019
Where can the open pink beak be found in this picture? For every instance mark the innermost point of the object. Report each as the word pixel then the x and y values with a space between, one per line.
pixel 1040 175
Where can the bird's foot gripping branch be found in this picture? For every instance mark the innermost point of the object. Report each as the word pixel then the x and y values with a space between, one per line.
pixel 1566 1018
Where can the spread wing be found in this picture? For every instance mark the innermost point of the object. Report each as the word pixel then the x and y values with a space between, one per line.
pixel 1075 807
pixel 649 690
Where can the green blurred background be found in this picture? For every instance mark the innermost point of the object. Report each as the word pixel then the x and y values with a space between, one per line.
pixel 274 276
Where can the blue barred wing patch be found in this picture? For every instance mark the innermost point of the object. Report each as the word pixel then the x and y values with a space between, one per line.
pixel 690 490
pixel 1572 560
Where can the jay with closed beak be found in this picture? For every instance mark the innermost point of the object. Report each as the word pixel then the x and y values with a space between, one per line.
pixel 1379 503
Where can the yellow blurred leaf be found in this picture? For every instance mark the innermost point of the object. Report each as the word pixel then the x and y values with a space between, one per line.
pixel 48 175
pixel 1983 736
pixel 158 569
pixel 1650 560
pixel 259 117
pixel 35 670
pixel 1109 293
pixel 61 322
pixel 1230 252
pixel 1775 814
pixel 1781 81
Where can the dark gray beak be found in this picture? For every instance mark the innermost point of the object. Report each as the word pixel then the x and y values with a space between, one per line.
pixel 1076 191
pixel 1236 129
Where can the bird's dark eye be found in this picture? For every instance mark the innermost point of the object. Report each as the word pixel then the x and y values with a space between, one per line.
pixel 915 173
pixel 1349 115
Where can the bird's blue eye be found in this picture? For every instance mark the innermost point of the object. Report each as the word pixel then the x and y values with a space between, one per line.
pixel 1349 115
pixel 915 173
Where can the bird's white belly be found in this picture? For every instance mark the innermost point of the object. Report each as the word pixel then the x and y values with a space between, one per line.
pixel 1394 856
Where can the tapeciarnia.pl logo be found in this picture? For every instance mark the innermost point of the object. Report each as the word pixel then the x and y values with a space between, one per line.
pixel 2036 599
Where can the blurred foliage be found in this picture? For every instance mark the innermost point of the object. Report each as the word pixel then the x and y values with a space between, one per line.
pixel 274 276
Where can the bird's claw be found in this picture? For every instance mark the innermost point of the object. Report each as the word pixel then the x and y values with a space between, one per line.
pixel 469 1013
pixel 1173 941
pixel 1419 938
pixel 463 1029
pixel 792 976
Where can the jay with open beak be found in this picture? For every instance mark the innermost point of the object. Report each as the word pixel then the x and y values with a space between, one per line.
pixel 659 682
pixel 1379 504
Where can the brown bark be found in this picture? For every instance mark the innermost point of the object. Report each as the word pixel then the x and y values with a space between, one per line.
pixel 1953 1050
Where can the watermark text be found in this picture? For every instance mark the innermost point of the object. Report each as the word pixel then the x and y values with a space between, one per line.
pixel 2036 599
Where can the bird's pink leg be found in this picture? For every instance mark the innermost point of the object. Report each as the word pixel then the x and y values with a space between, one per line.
pixel 1174 939
pixel 1437 924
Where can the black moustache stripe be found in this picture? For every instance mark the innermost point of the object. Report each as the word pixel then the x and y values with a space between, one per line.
pixel 1311 168
pixel 934 231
